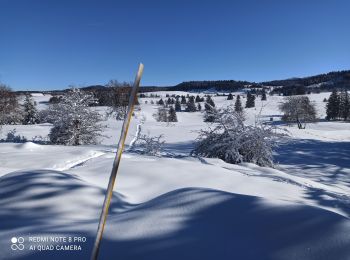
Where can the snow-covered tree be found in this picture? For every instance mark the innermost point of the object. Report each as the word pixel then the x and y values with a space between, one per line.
pixel 183 100
pixel 333 106
pixel 238 104
pixel 10 112
pixel 172 115
pixel 31 115
pixel 210 101
pixel 74 121
pixel 209 113
pixel 263 95
pixel 299 110
pixel 234 142
pixel 199 107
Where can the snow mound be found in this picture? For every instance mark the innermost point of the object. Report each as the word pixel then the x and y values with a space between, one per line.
pixel 189 223
pixel 29 146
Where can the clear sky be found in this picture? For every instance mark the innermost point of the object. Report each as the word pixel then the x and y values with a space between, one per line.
pixel 50 44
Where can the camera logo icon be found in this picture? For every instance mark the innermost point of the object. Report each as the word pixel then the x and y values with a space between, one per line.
pixel 17 243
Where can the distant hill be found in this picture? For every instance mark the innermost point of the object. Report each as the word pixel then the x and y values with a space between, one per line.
pixel 338 79
pixel 327 81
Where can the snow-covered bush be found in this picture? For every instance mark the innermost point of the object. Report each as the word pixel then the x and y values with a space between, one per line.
pixel 148 145
pixel 13 137
pixel 74 121
pixel 234 142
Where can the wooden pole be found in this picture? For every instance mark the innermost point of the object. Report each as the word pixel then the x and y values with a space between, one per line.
pixel 116 163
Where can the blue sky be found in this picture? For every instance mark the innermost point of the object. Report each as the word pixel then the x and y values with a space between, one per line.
pixel 47 44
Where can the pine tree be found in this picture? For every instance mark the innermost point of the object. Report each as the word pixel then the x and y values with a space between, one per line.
pixel 183 100
pixel 238 104
pixel 199 107
pixel 210 101
pixel 263 95
pixel 74 122
pixel 333 106
pixel 191 106
pixel 198 99
pixel 172 115
pixel 177 106
pixel 160 102
pixel 250 100
pixel 230 97
pixel 344 105
pixel 30 112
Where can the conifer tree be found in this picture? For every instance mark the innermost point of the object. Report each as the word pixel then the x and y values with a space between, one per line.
pixel 30 116
pixel 177 106
pixel 191 106
pixel 238 104
pixel 172 115
pixel 344 106
pixel 263 95
pixel 333 106
pixel 199 107
pixel 183 100
pixel 230 97
pixel 250 100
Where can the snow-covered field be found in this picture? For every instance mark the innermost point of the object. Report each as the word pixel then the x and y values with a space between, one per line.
pixel 176 206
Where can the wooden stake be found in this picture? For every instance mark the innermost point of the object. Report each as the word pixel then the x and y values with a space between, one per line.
pixel 116 163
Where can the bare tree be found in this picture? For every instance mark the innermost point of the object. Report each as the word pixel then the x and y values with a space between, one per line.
pixel 299 110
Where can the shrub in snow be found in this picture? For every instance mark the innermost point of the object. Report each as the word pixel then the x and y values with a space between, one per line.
pixel 234 142
pixel 298 109
pixel 148 145
pixel 74 122
pixel 13 137
pixel 30 113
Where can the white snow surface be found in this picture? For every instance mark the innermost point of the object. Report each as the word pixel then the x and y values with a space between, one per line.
pixel 181 207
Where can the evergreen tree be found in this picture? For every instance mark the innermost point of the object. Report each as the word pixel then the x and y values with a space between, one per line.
pixel 333 106
pixel 191 106
pixel 183 100
pixel 160 102
pixel 209 115
pixel 230 97
pixel 344 106
pixel 172 115
pixel 210 101
pixel 238 104
pixel 199 107
pixel 177 106
pixel 30 112
pixel 250 100
pixel 198 99
pixel 263 95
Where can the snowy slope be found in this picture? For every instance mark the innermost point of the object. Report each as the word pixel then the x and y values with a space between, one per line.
pixel 181 207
